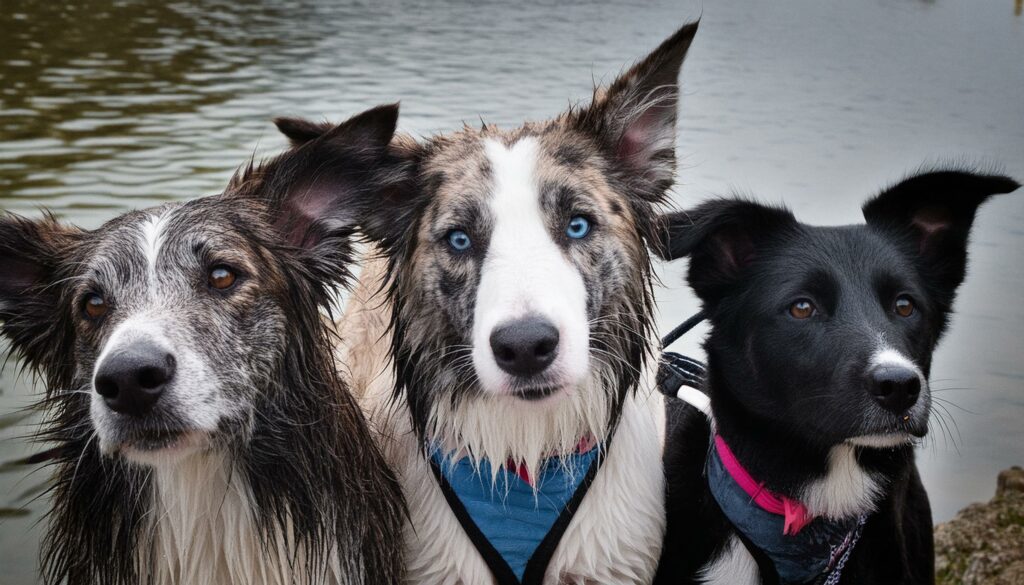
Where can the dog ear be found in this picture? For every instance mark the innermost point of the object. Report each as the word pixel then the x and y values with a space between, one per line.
pixel 722 238
pixel 31 285
pixel 320 187
pixel 635 118
pixel 934 212
pixel 299 131
pixel 385 210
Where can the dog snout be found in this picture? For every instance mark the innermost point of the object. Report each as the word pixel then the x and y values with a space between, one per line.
pixel 895 388
pixel 525 347
pixel 131 379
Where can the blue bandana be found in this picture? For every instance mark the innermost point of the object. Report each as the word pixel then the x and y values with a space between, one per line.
pixel 514 525
pixel 815 554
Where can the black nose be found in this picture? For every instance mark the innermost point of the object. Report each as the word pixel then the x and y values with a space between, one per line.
pixel 526 346
pixel 132 379
pixel 895 388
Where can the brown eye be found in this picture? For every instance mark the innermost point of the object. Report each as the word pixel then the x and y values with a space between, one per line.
pixel 904 306
pixel 94 306
pixel 221 277
pixel 802 309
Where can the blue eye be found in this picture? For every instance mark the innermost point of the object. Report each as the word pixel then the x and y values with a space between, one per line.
pixel 459 240
pixel 579 227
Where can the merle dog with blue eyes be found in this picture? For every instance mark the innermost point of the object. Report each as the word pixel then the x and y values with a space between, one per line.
pixel 819 354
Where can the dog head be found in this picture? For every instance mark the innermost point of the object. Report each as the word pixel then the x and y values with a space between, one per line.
pixel 519 273
pixel 163 329
pixel 826 334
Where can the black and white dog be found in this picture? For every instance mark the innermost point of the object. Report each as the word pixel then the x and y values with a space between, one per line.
pixel 507 361
pixel 818 360
pixel 204 434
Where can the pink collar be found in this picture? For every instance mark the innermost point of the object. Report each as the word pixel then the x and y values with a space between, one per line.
pixel 795 513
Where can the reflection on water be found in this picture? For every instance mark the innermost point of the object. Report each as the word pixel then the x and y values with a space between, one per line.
pixel 117 105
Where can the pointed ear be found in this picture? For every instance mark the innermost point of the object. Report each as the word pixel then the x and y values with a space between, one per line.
pixel 299 131
pixel 32 253
pixel 934 212
pixel 722 238
pixel 320 186
pixel 635 118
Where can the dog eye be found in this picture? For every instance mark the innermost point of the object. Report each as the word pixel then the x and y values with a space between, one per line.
pixel 802 309
pixel 94 306
pixel 221 277
pixel 459 240
pixel 903 306
pixel 578 227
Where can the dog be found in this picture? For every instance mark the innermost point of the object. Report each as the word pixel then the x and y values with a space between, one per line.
pixel 819 354
pixel 204 434
pixel 501 335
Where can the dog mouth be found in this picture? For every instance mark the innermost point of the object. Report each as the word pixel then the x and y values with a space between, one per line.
pixel 900 430
pixel 535 394
pixel 153 442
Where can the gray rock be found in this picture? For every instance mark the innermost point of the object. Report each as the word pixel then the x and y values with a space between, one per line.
pixel 984 544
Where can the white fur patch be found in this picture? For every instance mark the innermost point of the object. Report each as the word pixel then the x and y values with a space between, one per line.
pixel 203 531
pixel 151 236
pixel 734 566
pixel 526 273
pixel 886 356
pixel 846 490
pixel 887 441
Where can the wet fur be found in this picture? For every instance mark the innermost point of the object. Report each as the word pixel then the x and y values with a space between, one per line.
pixel 291 487
pixel 412 317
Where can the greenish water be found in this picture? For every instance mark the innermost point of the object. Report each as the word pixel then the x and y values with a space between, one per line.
pixel 108 106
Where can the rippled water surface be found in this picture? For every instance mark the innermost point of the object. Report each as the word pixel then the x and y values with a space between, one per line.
pixel 113 106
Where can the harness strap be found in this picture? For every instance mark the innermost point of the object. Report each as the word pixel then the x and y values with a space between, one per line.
pixel 541 557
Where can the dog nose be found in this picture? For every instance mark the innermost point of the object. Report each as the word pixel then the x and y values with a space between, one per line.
pixel 525 347
pixel 132 379
pixel 895 388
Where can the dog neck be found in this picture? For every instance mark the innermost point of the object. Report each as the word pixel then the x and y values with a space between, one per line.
pixel 203 523
pixel 502 428
pixel 837 482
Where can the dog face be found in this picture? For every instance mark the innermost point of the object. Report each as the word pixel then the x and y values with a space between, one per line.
pixel 519 270
pixel 164 328
pixel 518 258
pixel 827 333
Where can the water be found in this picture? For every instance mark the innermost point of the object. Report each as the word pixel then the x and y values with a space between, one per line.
pixel 815 104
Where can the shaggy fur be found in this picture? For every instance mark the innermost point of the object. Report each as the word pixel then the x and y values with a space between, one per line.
pixel 255 465
pixel 418 306
pixel 799 398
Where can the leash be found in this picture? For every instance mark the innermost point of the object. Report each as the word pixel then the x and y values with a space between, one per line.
pixel 680 376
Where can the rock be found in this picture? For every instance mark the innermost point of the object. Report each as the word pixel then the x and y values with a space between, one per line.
pixel 1010 480
pixel 984 544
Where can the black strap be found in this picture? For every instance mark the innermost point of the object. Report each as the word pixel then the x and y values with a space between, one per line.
pixel 675 370
pixel 503 574
pixel 538 563
pixel 682 329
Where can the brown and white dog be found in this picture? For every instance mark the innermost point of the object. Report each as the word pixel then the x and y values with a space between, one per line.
pixel 509 316
pixel 204 436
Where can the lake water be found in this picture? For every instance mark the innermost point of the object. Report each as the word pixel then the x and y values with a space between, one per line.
pixel 815 104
